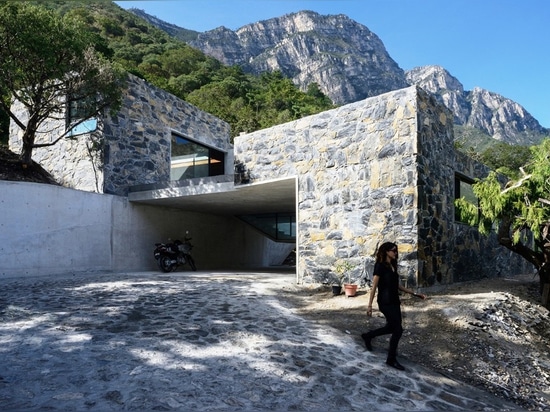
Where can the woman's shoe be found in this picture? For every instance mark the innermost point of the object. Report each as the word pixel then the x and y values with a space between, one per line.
pixel 367 341
pixel 395 364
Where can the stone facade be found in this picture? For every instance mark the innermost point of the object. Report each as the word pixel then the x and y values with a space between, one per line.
pixel 72 162
pixel 378 170
pixel 134 145
pixel 382 169
pixel 138 138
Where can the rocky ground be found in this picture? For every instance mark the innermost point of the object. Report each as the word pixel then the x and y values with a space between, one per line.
pixel 491 333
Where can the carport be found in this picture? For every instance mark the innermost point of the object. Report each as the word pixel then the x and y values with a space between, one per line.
pixel 220 195
pixel 269 206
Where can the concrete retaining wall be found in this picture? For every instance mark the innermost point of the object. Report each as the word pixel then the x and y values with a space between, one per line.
pixel 47 230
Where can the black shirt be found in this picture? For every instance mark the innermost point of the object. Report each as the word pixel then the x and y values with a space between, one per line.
pixel 388 284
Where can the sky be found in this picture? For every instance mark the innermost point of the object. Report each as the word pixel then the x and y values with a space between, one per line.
pixel 499 45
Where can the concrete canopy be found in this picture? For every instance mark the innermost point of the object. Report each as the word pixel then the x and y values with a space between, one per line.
pixel 223 197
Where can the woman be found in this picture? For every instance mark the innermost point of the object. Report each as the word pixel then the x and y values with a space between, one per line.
pixel 386 281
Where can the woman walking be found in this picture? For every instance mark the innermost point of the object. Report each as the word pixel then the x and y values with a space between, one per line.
pixel 386 282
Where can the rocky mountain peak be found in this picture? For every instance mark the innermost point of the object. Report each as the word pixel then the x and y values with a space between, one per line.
pixel 495 115
pixel 350 63
pixel 446 88
pixel 434 79
pixel 346 59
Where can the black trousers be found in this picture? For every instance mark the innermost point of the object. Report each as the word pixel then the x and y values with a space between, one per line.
pixel 392 313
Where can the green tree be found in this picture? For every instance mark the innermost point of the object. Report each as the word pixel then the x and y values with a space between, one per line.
pixel 48 63
pixel 247 102
pixel 506 159
pixel 519 209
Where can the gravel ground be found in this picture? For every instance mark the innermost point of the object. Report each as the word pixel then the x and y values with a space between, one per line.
pixel 492 333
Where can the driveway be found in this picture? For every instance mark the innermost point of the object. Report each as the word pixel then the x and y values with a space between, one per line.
pixel 194 341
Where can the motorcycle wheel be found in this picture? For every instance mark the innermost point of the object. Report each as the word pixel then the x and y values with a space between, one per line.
pixel 165 264
pixel 191 263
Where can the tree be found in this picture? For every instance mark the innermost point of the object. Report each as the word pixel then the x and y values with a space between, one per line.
pixel 49 63
pixel 520 210
pixel 506 158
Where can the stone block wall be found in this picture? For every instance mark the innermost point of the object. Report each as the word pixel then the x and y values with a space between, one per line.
pixel 134 144
pixel 378 170
pixel 138 139
pixel 357 171
pixel 72 162
pixel 435 190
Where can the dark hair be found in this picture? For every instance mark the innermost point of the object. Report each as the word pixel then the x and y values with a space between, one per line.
pixel 382 253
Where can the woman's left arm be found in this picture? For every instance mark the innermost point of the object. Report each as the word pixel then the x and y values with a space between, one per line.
pixel 418 295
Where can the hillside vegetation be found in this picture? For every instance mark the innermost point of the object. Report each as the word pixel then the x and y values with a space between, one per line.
pixel 245 101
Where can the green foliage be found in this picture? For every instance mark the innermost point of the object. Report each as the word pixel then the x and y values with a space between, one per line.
pixel 466 211
pixel 344 270
pixel 472 141
pixel 245 101
pixel 506 159
pixel 521 208
pixel 47 62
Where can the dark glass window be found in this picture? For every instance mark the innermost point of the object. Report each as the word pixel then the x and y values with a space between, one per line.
pixel 280 227
pixel 191 159
pixel 463 188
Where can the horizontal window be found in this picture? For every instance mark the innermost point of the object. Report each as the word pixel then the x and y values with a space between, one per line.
pixel 191 159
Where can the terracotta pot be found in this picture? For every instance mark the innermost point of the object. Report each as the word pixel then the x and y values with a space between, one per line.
pixel 350 290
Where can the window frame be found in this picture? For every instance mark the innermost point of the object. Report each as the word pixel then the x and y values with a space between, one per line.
pixel 215 159
pixel 459 180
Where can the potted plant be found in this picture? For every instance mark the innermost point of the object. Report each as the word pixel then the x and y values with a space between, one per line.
pixel 344 270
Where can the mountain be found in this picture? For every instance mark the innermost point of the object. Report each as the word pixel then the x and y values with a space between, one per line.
pixel 495 115
pixel 345 58
pixel 171 29
pixel 350 63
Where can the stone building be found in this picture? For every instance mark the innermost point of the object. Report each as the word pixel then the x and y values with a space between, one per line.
pixel 332 186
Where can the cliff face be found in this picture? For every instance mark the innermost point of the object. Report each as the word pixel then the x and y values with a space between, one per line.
pixel 350 63
pixel 346 59
pixel 499 117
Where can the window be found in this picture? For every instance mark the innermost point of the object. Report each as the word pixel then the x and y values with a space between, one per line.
pixel 191 159
pixel 78 110
pixel 280 227
pixel 464 189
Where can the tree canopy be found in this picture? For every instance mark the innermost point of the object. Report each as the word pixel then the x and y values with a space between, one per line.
pixel 48 63
pixel 247 102
pixel 519 209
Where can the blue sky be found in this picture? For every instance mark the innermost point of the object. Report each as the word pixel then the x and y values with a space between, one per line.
pixel 499 45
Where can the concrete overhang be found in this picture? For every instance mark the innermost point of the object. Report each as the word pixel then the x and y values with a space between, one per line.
pixel 221 197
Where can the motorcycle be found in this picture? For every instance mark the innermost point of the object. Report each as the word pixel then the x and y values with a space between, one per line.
pixel 171 255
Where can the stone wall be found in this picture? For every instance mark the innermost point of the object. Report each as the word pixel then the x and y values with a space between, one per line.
pixel 134 144
pixel 357 181
pixel 72 162
pixel 435 191
pixel 138 138
pixel 373 171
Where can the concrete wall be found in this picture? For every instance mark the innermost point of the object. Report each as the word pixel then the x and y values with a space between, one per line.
pixel 47 230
